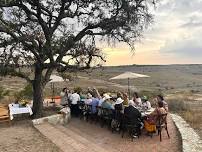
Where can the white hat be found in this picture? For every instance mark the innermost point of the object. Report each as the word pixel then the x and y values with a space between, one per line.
pixel 89 95
pixel 119 101
pixel 106 96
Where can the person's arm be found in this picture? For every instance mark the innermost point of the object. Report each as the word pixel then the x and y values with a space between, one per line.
pixel 148 105
pixel 79 98
pixel 165 106
pixel 97 93
pixel 154 112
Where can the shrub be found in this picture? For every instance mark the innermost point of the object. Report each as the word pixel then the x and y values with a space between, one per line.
pixel 149 94
pixel 177 105
pixel 67 76
pixel 3 92
pixel 78 89
pixel 26 93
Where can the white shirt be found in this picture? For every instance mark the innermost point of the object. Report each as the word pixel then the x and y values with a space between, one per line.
pixel 100 102
pixel 75 98
pixel 147 104
pixel 138 102
pixel 88 101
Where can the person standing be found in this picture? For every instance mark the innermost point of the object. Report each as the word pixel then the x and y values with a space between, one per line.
pixel 75 98
pixel 64 97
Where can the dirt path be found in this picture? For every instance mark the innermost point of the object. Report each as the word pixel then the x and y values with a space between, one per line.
pixel 22 137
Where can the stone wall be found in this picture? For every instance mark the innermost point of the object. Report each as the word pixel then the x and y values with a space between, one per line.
pixel 191 141
pixel 62 118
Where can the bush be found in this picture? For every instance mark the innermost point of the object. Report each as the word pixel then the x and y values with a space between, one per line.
pixel 67 76
pixel 105 90
pixel 149 94
pixel 177 105
pixel 78 89
pixel 3 92
pixel 26 93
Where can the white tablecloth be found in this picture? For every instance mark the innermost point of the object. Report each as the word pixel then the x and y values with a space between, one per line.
pixel 148 112
pixel 19 110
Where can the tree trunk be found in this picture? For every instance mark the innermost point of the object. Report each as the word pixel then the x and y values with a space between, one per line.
pixel 37 93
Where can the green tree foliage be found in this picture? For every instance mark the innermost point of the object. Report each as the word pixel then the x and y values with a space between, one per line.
pixel 26 93
pixel 45 35
pixel 3 92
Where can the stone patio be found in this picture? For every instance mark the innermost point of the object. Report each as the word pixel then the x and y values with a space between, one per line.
pixel 79 136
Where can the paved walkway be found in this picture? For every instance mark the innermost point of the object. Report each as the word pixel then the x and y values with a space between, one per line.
pixel 80 135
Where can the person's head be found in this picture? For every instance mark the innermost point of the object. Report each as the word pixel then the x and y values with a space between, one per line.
pixel 160 104
pixel 135 95
pixel 119 95
pixel 64 89
pixel 125 96
pixel 119 101
pixel 89 96
pixel 106 97
pixel 160 97
pixel 144 98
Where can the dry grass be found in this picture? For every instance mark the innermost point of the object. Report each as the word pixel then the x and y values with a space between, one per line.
pixel 193 117
pixel 184 105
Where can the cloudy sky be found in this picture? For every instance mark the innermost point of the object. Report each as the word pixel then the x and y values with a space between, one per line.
pixel 175 37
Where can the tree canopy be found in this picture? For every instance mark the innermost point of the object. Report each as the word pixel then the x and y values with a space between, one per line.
pixel 61 34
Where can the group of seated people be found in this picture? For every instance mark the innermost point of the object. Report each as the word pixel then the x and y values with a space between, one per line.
pixel 129 108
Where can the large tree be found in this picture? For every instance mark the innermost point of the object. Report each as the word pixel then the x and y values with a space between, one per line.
pixel 60 34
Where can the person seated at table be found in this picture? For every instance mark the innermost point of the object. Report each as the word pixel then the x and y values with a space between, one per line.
pixel 133 116
pixel 106 102
pixel 94 103
pixel 74 99
pixel 89 99
pixel 125 99
pixel 101 100
pixel 119 95
pixel 118 107
pixel 160 98
pixel 137 100
pixel 145 103
pixel 119 104
pixel 151 121
pixel 82 96
pixel 64 97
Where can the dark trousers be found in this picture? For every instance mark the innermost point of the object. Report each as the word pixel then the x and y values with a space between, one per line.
pixel 74 110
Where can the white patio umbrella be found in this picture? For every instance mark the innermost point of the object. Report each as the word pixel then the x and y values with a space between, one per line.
pixel 129 75
pixel 54 79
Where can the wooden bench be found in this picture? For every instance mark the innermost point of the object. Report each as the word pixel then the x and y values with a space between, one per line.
pixel 4 114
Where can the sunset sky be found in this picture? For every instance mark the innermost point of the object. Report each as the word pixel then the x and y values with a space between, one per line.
pixel 175 37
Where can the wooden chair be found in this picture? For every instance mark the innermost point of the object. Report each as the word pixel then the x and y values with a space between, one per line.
pixel 82 109
pixel 98 115
pixel 162 123
pixel 118 118
pixel 134 130
pixel 4 114
pixel 106 117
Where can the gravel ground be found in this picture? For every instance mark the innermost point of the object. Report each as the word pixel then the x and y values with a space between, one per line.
pixel 21 136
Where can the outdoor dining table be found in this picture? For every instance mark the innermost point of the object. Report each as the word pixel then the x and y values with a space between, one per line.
pixel 17 109
pixel 147 112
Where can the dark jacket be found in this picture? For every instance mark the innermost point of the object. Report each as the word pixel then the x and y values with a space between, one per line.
pixel 132 115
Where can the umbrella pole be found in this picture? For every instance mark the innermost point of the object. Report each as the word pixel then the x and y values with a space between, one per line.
pixel 129 88
pixel 53 92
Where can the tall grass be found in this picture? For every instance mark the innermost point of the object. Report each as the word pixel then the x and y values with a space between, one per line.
pixel 184 107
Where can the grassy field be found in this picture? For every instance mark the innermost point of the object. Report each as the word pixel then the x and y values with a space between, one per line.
pixel 181 84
